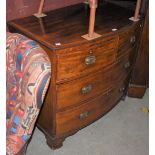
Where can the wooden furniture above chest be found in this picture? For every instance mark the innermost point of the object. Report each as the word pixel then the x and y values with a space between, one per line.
pixel 88 77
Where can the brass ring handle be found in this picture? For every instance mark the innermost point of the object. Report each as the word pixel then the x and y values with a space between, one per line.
pixel 84 115
pixel 127 65
pixel 86 89
pixel 132 39
pixel 91 59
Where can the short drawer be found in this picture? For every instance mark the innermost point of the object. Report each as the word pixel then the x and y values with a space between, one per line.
pixel 86 60
pixel 124 66
pixel 76 91
pixel 128 39
pixel 85 114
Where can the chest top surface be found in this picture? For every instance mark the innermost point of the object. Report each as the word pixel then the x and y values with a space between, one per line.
pixel 64 27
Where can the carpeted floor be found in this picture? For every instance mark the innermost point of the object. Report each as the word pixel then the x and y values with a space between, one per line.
pixel 123 131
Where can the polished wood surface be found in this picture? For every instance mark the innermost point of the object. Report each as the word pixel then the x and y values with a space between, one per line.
pixel 86 113
pixel 128 39
pixel 88 78
pixel 124 66
pixel 83 88
pixel 76 60
pixel 67 25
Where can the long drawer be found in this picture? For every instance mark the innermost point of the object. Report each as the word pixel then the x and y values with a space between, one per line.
pixel 73 92
pixel 76 91
pixel 85 114
pixel 86 59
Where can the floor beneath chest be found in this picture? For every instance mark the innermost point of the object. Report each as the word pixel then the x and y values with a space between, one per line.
pixel 123 131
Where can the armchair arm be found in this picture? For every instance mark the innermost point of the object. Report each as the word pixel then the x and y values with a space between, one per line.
pixel 32 75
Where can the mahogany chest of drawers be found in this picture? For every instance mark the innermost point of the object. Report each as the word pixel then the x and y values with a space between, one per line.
pixel 88 77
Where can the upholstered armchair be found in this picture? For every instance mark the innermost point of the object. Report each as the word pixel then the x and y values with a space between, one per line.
pixel 28 74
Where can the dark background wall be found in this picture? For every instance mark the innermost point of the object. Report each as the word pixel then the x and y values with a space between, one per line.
pixel 22 8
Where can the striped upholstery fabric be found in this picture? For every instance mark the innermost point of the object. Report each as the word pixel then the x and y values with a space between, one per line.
pixel 28 74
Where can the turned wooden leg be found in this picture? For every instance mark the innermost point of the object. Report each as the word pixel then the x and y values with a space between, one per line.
pixel 55 143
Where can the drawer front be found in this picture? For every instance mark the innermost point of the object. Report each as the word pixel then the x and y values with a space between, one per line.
pixel 71 93
pixel 86 60
pixel 128 39
pixel 91 85
pixel 85 114
pixel 124 66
